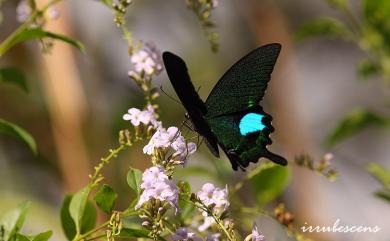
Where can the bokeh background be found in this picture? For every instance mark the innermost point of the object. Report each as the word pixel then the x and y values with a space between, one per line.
pixel 76 100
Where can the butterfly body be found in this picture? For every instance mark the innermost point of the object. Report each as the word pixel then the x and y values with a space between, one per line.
pixel 231 117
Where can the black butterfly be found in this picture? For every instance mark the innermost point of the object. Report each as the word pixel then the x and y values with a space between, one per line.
pixel 231 117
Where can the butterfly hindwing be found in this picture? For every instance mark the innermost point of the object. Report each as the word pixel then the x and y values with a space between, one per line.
pixel 244 136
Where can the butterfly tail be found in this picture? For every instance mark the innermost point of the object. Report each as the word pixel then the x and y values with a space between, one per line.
pixel 275 158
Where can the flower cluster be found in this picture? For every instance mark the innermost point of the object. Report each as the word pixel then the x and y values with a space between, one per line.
pixel 157 185
pixel 214 3
pixel 165 140
pixel 256 234
pixel 146 61
pixel 214 197
pixel 24 11
pixel 183 234
pixel 146 117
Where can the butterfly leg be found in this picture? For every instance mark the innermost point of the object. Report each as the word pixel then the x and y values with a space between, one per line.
pixel 234 159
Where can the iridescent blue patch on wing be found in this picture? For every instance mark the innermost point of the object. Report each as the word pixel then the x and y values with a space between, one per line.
pixel 251 122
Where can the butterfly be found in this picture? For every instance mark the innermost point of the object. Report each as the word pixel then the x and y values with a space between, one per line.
pixel 231 117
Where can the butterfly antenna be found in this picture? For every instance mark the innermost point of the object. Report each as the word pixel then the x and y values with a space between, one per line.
pixel 170 97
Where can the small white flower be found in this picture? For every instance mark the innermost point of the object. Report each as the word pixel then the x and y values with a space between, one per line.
pixel 147 116
pixel 220 198
pixel 256 234
pixel 153 175
pixel 207 222
pixel 53 13
pixel 161 139
pixel 206 194
pixel 147 60
pixel 143 62
pixel 23 11
pixel 182 234
pixel 157 185
pixel 134 115
pixel 213 237
pixel 328 157
pixel 212 195
pixel 214 3
pixel 182 149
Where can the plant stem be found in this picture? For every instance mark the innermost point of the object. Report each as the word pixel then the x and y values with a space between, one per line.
pixel 96 237
pixel 7 43
pixel 92 231
pixel 104 161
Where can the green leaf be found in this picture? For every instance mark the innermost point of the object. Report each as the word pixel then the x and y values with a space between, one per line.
pixel 328 27
pixel 269 183
pixel 376 15
pixel 77 207
pixel 108 3
pixel 13 76
pixel 67 222
pixel 338 4
pixel 105 198
pixel 356 121
pixel 367 69
pixel 88 220
pixel 136 233
pixel 43 236
pixel 186 207
pixel 22 237
pixel 385 195
pixel 376 10
pixel 134 178
pixel 380 173
pixel 38 33
pixel 13 220
pixel 19 133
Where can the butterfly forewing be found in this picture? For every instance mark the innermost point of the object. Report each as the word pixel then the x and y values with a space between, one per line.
pixel 196 109
pixel 244 84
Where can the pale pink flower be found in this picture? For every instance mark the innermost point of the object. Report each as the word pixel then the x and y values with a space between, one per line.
pixel 256 234
pixel 182 149
pixel 147 60
pixel 156 184
pixel 214 3
pixel 162 138
pixel 23 11
pixel 182 234
pixel 207 222
pixel 213 237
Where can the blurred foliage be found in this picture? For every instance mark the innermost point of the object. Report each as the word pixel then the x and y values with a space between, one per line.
pixel 383 177
pixel 323 167
pixel 35 33
pixel 355 122
pixel 270 183
pixel 105 198
pixel 372 35
pixel 11 224
pixel 19 133
pixel 13 76
pixel 203 10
